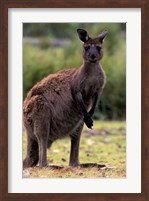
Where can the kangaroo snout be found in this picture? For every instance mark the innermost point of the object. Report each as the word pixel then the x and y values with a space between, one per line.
pixel 92 56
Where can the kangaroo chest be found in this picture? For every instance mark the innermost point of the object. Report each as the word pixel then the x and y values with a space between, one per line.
pixel 90 86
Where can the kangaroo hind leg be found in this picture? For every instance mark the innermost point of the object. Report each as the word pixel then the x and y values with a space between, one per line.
pixel 75 142
pixel 41 131
pixel 32 156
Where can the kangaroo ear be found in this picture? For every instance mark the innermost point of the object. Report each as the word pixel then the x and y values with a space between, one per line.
pixel 83 35
pixel 102 36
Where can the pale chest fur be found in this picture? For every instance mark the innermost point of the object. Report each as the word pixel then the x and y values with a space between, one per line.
pixel 92 84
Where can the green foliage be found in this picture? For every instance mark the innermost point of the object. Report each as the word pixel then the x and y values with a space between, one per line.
pixel 57 46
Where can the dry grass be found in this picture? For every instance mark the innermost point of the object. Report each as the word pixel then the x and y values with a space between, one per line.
pixel 104 145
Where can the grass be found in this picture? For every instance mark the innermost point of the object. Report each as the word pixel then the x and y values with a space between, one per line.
pixel 105 144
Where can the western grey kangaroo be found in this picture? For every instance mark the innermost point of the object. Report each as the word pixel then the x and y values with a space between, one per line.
pixel 62 102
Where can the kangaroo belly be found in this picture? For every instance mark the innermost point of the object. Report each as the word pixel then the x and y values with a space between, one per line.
pixel 64 125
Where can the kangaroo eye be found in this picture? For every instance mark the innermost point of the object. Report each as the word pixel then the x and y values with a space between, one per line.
pixel 86 48
pixel 98 48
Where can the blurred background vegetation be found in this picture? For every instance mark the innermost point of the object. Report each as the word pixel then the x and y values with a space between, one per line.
pixel 51 47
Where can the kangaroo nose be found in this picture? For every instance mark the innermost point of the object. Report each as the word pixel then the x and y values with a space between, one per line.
pixel 93 56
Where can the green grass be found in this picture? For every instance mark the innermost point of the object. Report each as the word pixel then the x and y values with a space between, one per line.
pixel 105 144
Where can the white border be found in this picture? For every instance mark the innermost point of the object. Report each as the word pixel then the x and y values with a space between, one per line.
pixel 132 184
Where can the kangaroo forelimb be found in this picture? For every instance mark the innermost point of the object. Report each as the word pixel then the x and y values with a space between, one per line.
pixel 87 117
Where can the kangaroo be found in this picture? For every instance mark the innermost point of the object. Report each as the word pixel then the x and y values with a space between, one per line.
pixel 60 104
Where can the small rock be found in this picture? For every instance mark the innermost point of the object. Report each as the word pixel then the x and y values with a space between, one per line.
pixel 63 159
pixel 90 142
pixel 56 151
pixel 108 167
pixel 65 145
pixel 50 161
pixel 26 174
pixel 107 141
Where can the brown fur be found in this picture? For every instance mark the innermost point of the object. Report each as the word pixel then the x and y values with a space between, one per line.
pixel 52 110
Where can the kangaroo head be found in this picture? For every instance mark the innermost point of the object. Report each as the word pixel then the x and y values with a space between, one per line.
pixel 92 47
